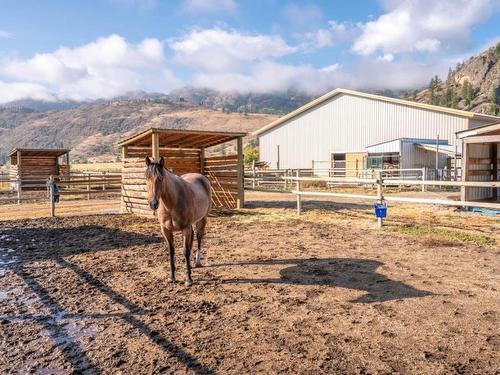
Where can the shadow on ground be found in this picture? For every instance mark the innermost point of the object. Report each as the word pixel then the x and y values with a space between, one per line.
pixel 358 274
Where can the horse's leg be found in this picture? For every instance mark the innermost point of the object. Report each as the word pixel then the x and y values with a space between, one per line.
pixel 169 237
pixel 188 244
pixel 200 233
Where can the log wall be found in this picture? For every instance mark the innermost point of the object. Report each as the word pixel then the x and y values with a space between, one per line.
pixel 221 170
pixel 34 171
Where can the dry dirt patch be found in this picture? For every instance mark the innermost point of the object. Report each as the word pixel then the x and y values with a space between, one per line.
pixel 323 293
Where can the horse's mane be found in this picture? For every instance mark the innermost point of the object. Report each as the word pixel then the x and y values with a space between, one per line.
pixel 154 170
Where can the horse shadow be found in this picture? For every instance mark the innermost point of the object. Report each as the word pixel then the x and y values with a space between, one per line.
pixel 348 273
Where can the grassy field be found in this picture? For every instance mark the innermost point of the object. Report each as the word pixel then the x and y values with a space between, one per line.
pixel 97 167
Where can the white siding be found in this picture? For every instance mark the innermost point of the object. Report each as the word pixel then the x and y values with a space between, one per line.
pixel 415 157
pixel 347 122
pixel 391 146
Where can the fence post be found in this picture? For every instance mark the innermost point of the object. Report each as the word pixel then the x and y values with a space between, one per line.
pixel 104 181
pixel 286 179
pixel 253 174
pixel 298 192
pixel 424 177
pixel 19 188
pixel 88 186
pixel 51 197
pixel 380 194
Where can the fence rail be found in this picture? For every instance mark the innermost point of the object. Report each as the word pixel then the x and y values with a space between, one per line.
pixel 76 184
pixel 379 183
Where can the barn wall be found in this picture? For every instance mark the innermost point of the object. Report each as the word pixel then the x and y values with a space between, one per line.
pixel 415 157
pixel 349 123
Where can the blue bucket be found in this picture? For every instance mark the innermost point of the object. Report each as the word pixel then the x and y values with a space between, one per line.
pixel 380 209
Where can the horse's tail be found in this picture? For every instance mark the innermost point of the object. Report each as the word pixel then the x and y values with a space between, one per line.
pixel 205 182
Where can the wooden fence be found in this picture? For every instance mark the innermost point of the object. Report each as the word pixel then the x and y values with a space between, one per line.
pixel 379 183
pixel 279 179
pixel 77 185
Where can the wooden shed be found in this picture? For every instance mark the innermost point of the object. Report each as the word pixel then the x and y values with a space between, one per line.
pixel 33 166
pixel 185 151
pixel 481 161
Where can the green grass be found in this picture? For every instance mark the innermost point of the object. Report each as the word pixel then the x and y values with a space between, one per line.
pixel 417 230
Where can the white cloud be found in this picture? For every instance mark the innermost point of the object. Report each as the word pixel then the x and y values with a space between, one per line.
pixel 10 91
pixel 269 76
pixel 107 67
pixel 422 26
pixel 5 34
pixel 209 6
pixel 222 50
pixel 336 32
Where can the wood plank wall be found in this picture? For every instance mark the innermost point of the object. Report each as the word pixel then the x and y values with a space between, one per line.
pixel 221 170
pixel 35 170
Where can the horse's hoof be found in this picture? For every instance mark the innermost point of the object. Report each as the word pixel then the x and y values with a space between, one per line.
pixel 198 265
pixel 188 282
pixel 171 280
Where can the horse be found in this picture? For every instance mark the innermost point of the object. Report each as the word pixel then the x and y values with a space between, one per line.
pixel 181 202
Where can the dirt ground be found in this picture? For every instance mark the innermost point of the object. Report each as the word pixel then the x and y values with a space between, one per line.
pixel 325 292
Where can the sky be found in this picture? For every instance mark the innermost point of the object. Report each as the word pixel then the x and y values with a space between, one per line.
pixel 91 49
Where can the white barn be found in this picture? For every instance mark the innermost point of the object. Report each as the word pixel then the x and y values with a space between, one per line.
pixel 343 124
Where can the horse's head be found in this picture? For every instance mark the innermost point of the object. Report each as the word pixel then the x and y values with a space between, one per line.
pixel 154 176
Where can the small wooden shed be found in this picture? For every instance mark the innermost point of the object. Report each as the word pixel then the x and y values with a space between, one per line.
pixel 184 152
pixel 33 166
pixel 481 161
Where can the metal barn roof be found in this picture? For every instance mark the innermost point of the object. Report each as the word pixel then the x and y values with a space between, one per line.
pixel 331 94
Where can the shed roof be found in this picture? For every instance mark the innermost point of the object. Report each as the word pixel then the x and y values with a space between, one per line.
pixel 181 138
pixel 480 130
pixel 54 152
pixel 331 94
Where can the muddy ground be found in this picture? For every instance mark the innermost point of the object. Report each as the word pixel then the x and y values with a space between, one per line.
pixel 323 293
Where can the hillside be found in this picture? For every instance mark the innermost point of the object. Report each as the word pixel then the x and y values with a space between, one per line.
pixel 473 85
pixel 93 130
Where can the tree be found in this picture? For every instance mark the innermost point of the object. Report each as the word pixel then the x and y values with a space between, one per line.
pixel 467 92
pixel 448 97
pixel 433 86
pixel 250 154
pixel 494 101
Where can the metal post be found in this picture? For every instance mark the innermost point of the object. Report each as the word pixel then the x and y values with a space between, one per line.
pixel 424 172
pixel 297 175
pixel 51 197
pixel 380 195
pixel 437 156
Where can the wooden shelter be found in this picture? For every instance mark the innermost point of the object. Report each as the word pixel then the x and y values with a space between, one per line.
pixel 184 152
pixel 33 166
pixel 481 161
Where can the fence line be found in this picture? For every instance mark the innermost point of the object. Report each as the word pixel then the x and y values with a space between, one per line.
pixel 380 197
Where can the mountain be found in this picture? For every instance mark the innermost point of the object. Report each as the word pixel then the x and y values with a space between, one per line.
pixel 473 85
pixel 92 130
pixel 272 103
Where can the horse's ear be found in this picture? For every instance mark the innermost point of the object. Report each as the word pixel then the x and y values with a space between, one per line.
pixel 162 162
pixel 148 161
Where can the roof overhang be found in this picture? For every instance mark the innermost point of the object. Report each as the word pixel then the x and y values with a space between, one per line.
pixel 51 152
pixel 481 130
pixel 442 149
pixel 176 138
pixel 331 94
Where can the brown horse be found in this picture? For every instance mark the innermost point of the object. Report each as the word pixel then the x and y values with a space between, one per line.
pixel 180 202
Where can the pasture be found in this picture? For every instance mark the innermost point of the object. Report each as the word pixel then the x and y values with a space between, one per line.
pixel 324 292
